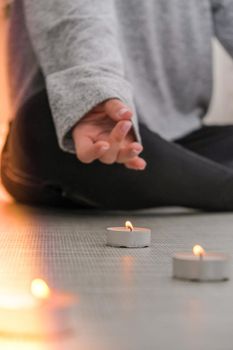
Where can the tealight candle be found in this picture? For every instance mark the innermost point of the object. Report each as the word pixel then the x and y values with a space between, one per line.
pixel 201 266
pixel 128 236
pixel 38 313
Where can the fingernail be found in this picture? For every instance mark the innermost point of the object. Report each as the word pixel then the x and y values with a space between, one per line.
pixel 122 111
pixel 125 127
pixel 104 148
pixel 135 152
pixel 142 167
pixel 137 149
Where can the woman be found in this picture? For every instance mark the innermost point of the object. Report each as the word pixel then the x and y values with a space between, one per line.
pixel 103 88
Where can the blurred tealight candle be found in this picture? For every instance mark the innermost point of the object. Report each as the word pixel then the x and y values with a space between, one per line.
pixel 128 236
pixel 199 265
pixel 40 312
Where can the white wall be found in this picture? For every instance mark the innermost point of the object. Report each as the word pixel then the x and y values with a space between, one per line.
pixel 221 109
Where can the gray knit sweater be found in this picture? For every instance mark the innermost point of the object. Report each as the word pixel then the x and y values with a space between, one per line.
pixel 155 55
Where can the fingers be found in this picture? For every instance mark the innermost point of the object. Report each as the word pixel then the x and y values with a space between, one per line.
pixel 129 152
pixel 136 163
pixel 116 138
pixel 117 110
pixel 119 132
pixel 87 151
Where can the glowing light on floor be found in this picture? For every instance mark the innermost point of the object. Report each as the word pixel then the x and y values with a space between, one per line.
pixel 40 289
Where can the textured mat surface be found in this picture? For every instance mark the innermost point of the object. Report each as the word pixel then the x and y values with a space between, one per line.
pixel 126 298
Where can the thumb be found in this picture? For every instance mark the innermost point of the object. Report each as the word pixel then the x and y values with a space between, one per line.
pixel 117 110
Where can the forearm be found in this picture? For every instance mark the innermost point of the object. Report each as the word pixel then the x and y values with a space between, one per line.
pixel 76 43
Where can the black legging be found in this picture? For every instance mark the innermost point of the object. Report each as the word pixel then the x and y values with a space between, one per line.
pixel 195 171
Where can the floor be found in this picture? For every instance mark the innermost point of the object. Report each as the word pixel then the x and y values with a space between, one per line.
pixel 124 299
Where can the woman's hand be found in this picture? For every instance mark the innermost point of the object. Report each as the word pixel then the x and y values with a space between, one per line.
pixel 106 134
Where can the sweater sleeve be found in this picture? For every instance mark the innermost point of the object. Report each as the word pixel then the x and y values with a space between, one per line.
pixel 76 43
pixel 223 23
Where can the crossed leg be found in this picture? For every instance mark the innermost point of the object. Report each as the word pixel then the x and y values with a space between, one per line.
pixel 194 171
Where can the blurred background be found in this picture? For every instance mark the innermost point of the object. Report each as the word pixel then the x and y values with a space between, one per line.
pixel 4 93
pixel 4 96
pixel 221 110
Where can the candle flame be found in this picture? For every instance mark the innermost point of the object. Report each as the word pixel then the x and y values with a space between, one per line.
pixel 40 289
pixel 198 250
pixel 129 225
